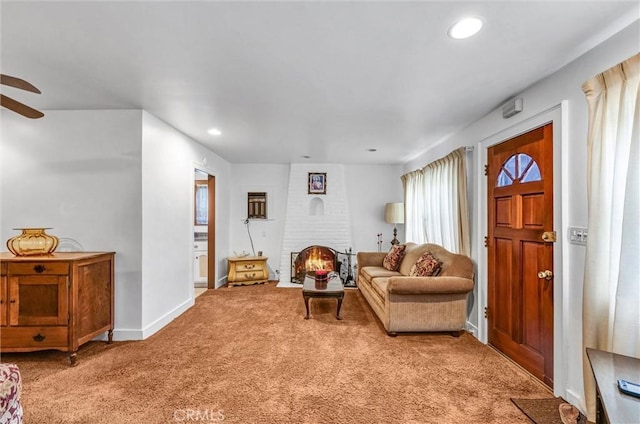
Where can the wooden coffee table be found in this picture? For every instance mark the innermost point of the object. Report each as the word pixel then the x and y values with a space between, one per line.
pixel 332 288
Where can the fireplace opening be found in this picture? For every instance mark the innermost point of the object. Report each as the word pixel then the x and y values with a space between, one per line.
pixel 313 258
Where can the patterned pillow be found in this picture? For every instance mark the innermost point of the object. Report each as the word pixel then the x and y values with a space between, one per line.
pixel 427 265
pixel 393 258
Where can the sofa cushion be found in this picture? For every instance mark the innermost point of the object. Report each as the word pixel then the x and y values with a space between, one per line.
pixel 427 265
pixel 371 272
pixel 411 254
pixel 393 258
pixel 380 286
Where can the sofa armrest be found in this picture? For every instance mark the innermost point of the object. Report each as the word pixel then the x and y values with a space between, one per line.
pixel 429 285
pixel 370 259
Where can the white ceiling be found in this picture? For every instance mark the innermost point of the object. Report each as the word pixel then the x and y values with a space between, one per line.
pixel 287 79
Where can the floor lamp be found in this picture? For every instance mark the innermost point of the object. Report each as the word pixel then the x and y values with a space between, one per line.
pixel 394 214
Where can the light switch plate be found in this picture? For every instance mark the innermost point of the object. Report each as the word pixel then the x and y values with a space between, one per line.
pixel 578 235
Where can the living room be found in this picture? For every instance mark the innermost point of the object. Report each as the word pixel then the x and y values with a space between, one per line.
pixel 117 179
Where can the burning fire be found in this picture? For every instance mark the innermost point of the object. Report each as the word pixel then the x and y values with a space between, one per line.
pixel 315 261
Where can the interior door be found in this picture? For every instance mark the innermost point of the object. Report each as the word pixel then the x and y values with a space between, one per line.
pixel 211 239
pixel 520 250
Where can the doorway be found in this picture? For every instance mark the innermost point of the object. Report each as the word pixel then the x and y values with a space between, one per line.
pixel 204 229
pixel 520 250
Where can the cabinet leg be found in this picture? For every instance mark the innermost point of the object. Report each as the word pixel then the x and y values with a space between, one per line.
pixel 110 337
pixel 73 356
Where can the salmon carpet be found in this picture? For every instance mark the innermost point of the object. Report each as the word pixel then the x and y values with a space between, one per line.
pixel 246 355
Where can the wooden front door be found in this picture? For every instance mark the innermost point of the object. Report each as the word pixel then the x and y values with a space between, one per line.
pixel 520 250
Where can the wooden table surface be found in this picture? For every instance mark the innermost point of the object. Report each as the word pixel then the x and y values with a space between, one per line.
pixel 608 368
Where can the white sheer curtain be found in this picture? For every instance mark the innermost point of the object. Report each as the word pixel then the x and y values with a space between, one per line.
pixel 436 204
pixel 611 294
pixel 413 184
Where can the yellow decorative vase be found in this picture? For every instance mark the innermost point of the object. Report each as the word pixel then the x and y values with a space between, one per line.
pixel 32 241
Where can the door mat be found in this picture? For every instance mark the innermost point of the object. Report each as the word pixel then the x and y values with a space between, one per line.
pixel 544 411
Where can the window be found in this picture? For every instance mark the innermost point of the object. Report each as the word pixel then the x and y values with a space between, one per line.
pixel 257 205
pixel 519 167
pixel 202 204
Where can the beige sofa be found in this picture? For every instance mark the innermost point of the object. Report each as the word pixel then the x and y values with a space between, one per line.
pixel 413 304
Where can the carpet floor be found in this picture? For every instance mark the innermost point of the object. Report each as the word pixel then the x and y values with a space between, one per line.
pixel 246 355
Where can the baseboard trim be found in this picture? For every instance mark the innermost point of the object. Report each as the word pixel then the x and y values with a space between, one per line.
pixel 125 334
pixel 221 282
pixel 576 400
pixel 158 324
pixel 121 335
pixel 471 329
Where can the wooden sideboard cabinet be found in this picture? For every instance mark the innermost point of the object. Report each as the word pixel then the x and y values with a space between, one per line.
pixel 247 270
pixel 58 301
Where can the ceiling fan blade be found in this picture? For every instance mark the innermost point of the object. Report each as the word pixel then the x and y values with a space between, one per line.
pixel 18 83
pixel 20 108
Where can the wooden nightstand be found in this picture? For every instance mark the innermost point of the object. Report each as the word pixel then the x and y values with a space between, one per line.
pixel 247 270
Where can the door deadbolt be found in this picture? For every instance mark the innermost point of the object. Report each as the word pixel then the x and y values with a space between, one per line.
pixel 546 274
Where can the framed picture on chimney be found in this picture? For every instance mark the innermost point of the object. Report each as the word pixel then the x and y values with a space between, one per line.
pixel 317 183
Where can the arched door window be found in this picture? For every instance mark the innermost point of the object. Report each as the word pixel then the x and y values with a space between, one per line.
pixel 519 167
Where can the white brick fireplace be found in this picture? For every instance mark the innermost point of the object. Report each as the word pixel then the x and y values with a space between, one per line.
pixel 314 219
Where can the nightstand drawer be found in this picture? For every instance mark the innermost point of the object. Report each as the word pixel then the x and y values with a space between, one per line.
pixel 31 268
pixel 251 275
pixel 249 266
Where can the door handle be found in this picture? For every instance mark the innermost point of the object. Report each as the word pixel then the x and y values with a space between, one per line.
pixel 546 274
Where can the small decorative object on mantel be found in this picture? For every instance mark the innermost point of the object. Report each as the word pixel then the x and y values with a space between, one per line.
pixel 32 242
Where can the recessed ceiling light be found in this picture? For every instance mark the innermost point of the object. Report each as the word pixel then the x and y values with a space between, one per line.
pixel 465 28
pixel 214 131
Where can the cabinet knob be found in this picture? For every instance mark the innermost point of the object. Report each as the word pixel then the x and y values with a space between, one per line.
pixel 38 337
pixel 39 268
pixel 12 301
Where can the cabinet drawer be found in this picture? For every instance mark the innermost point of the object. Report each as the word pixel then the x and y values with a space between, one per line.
pixel 38 268
pixel 34 337
pixel 258 274
pixel 249 266
pixel 199 246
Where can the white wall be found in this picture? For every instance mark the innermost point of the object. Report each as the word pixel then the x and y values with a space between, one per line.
pixel 565 84
pixel 168 161
pixel 266 234
pixel 368 187
pixel 79 173
pixel 115 181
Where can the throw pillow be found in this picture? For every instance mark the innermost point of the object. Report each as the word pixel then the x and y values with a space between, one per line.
pixel 393 258
pixel 427 265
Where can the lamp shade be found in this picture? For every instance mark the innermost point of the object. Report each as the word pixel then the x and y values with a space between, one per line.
pixel 394 213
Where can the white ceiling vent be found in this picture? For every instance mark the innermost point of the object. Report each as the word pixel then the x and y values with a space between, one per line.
pixel 513 107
